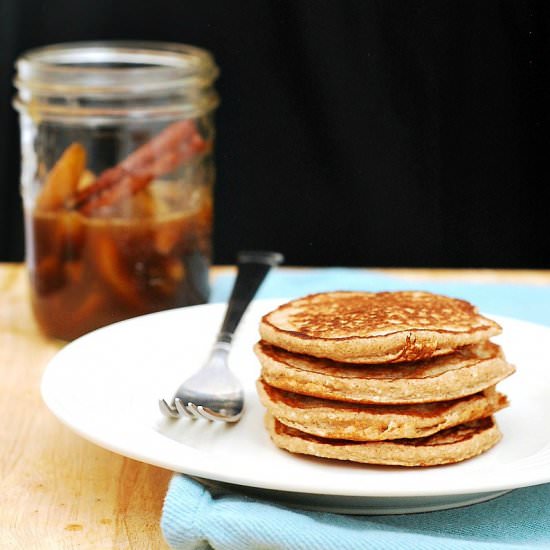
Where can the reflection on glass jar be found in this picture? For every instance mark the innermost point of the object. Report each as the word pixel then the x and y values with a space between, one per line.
pixel 117 179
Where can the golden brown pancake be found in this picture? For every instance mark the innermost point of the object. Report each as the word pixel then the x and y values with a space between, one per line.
pixel 340 420
pixel 444 447
pixel 467 371
pixel 375 327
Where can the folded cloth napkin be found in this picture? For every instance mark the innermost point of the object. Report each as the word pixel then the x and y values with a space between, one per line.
pixel 197 516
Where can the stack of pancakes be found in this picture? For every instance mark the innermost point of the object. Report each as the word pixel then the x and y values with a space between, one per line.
pixel 401 378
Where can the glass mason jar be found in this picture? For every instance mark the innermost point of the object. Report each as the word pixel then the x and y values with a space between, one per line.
pixel 117 179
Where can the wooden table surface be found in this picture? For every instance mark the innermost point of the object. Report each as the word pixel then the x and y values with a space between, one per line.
pixel 59 491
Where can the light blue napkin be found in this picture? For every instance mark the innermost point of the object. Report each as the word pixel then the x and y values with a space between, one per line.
pixel 197 517
pixel 527 302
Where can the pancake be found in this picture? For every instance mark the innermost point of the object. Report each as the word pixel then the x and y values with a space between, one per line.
pixel 467 371
pixel 369 327
pixel 340 420
pixel 445 447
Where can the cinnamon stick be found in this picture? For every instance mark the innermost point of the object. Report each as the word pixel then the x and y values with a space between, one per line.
pixel 172 147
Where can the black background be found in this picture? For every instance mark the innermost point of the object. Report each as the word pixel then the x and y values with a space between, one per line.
pixel 391 133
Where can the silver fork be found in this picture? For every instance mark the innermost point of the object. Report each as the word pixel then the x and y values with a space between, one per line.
pixel 214 392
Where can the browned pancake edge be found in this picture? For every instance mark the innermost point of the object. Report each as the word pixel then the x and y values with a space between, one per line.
pixel 465 372
pixel 340 420
pixel 382 327
pixel 446 447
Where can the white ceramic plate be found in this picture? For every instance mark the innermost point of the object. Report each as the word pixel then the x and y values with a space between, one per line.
pixel 105 386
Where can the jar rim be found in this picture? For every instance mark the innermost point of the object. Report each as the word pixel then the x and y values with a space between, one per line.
pixel 113 68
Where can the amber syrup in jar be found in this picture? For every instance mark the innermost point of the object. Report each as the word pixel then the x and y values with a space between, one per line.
pixel 117 180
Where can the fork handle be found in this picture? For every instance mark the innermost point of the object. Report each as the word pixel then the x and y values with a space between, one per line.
pixel 252 268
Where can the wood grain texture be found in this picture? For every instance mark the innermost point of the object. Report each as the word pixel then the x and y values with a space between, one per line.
pixel 61 492
pixel 58 490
